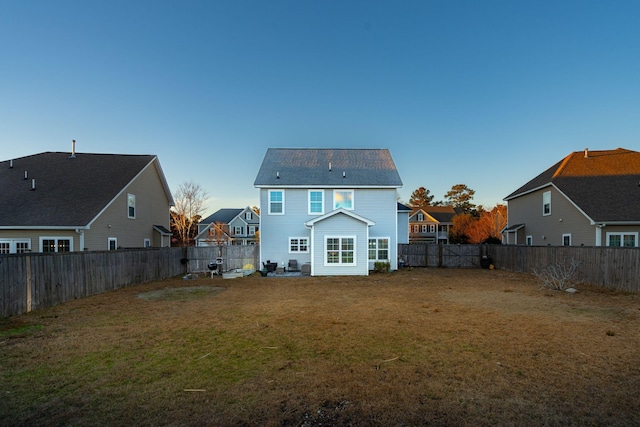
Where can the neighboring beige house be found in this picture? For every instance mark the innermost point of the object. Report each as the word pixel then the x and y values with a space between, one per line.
pixel 431 224
pixel 229 227
pixel 68 202
pixel 589 198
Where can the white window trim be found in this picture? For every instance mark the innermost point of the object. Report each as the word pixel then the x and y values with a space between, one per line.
pixel 299 238
pixel 146 243
pixel 112 239
pixel 341 264
pixel 269 202
pixel 622 234
pixel 252 230
pixel 528 241
pixel 309 202
pixel 56 238
pixel 247 216
pixel 237 230
pixel 129 198
pixel 544 195
pixel 566 235
pixel 353 199
pixel 377 240
pixel 420 217
pixel 13 243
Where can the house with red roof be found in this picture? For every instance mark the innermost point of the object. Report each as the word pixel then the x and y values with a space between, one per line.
pixel 589 198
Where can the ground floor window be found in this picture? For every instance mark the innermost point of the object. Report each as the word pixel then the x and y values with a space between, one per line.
pixel 112 244
pixel 379 249
pixel 56 244
pixel 566 240
pixel 15 246
pixel 622 239
pixel 298 245
pixel 340 251
pixel 529 240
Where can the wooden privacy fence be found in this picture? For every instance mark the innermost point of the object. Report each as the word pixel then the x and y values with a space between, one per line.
pixel 604 266
pixel 436 255
pixel 32 281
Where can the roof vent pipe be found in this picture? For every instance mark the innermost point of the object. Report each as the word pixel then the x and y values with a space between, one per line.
pixel 33 184
pixel 329 166
pixel 11 164
pixel 73 149
pixel 586 153
pixel 277 175
pixel 26 175
pixel 344 174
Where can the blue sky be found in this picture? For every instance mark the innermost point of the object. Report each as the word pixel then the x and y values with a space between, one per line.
pixel 484 93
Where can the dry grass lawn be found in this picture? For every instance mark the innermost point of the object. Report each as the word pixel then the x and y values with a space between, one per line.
pixel 419 347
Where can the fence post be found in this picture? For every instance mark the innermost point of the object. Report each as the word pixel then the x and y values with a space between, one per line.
pixel 29 304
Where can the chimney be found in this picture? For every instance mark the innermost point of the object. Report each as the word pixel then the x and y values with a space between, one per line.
pixel 33 184
pixel 73 149
pixel 586 153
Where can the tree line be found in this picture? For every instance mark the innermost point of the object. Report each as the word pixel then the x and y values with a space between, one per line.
pixel 474 224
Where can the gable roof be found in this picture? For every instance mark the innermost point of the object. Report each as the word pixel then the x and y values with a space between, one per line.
pixel 605 185
pixel 338 168
pixel 226 215
pixel 439 213
pixel 339 211
pixel 70 190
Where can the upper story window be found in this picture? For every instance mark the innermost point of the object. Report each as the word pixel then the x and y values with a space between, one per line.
pixel 420 217
pixel 629 239
pixel 131 206
pixel 276 202
pixel 316 202
pixel 248 216
pixel 343 199
pixel 546 203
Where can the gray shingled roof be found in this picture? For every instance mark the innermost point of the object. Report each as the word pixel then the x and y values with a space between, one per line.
pixel 69 192
pixel 306 167
pixel 223 216
pixel 605 184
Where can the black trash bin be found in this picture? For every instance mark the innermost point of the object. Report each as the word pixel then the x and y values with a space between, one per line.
pixel 486 261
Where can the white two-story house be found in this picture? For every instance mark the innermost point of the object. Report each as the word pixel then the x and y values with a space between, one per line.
pixel 333 209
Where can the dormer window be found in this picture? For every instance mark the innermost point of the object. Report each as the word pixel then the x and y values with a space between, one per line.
pixel 420 217
pixel 247 216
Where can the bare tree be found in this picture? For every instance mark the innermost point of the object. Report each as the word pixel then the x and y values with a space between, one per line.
pixel 189 201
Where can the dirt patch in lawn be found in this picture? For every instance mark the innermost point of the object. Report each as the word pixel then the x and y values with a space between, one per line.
pixel 426 346
pixel 181 294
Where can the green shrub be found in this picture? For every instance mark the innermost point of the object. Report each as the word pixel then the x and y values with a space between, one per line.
pixel 381 267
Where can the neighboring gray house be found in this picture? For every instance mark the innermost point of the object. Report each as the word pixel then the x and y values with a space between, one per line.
pixel 589 198
pixel 335 209
pixel 68 202
pixel 432 224
pixel 403 223
pixel 229 226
